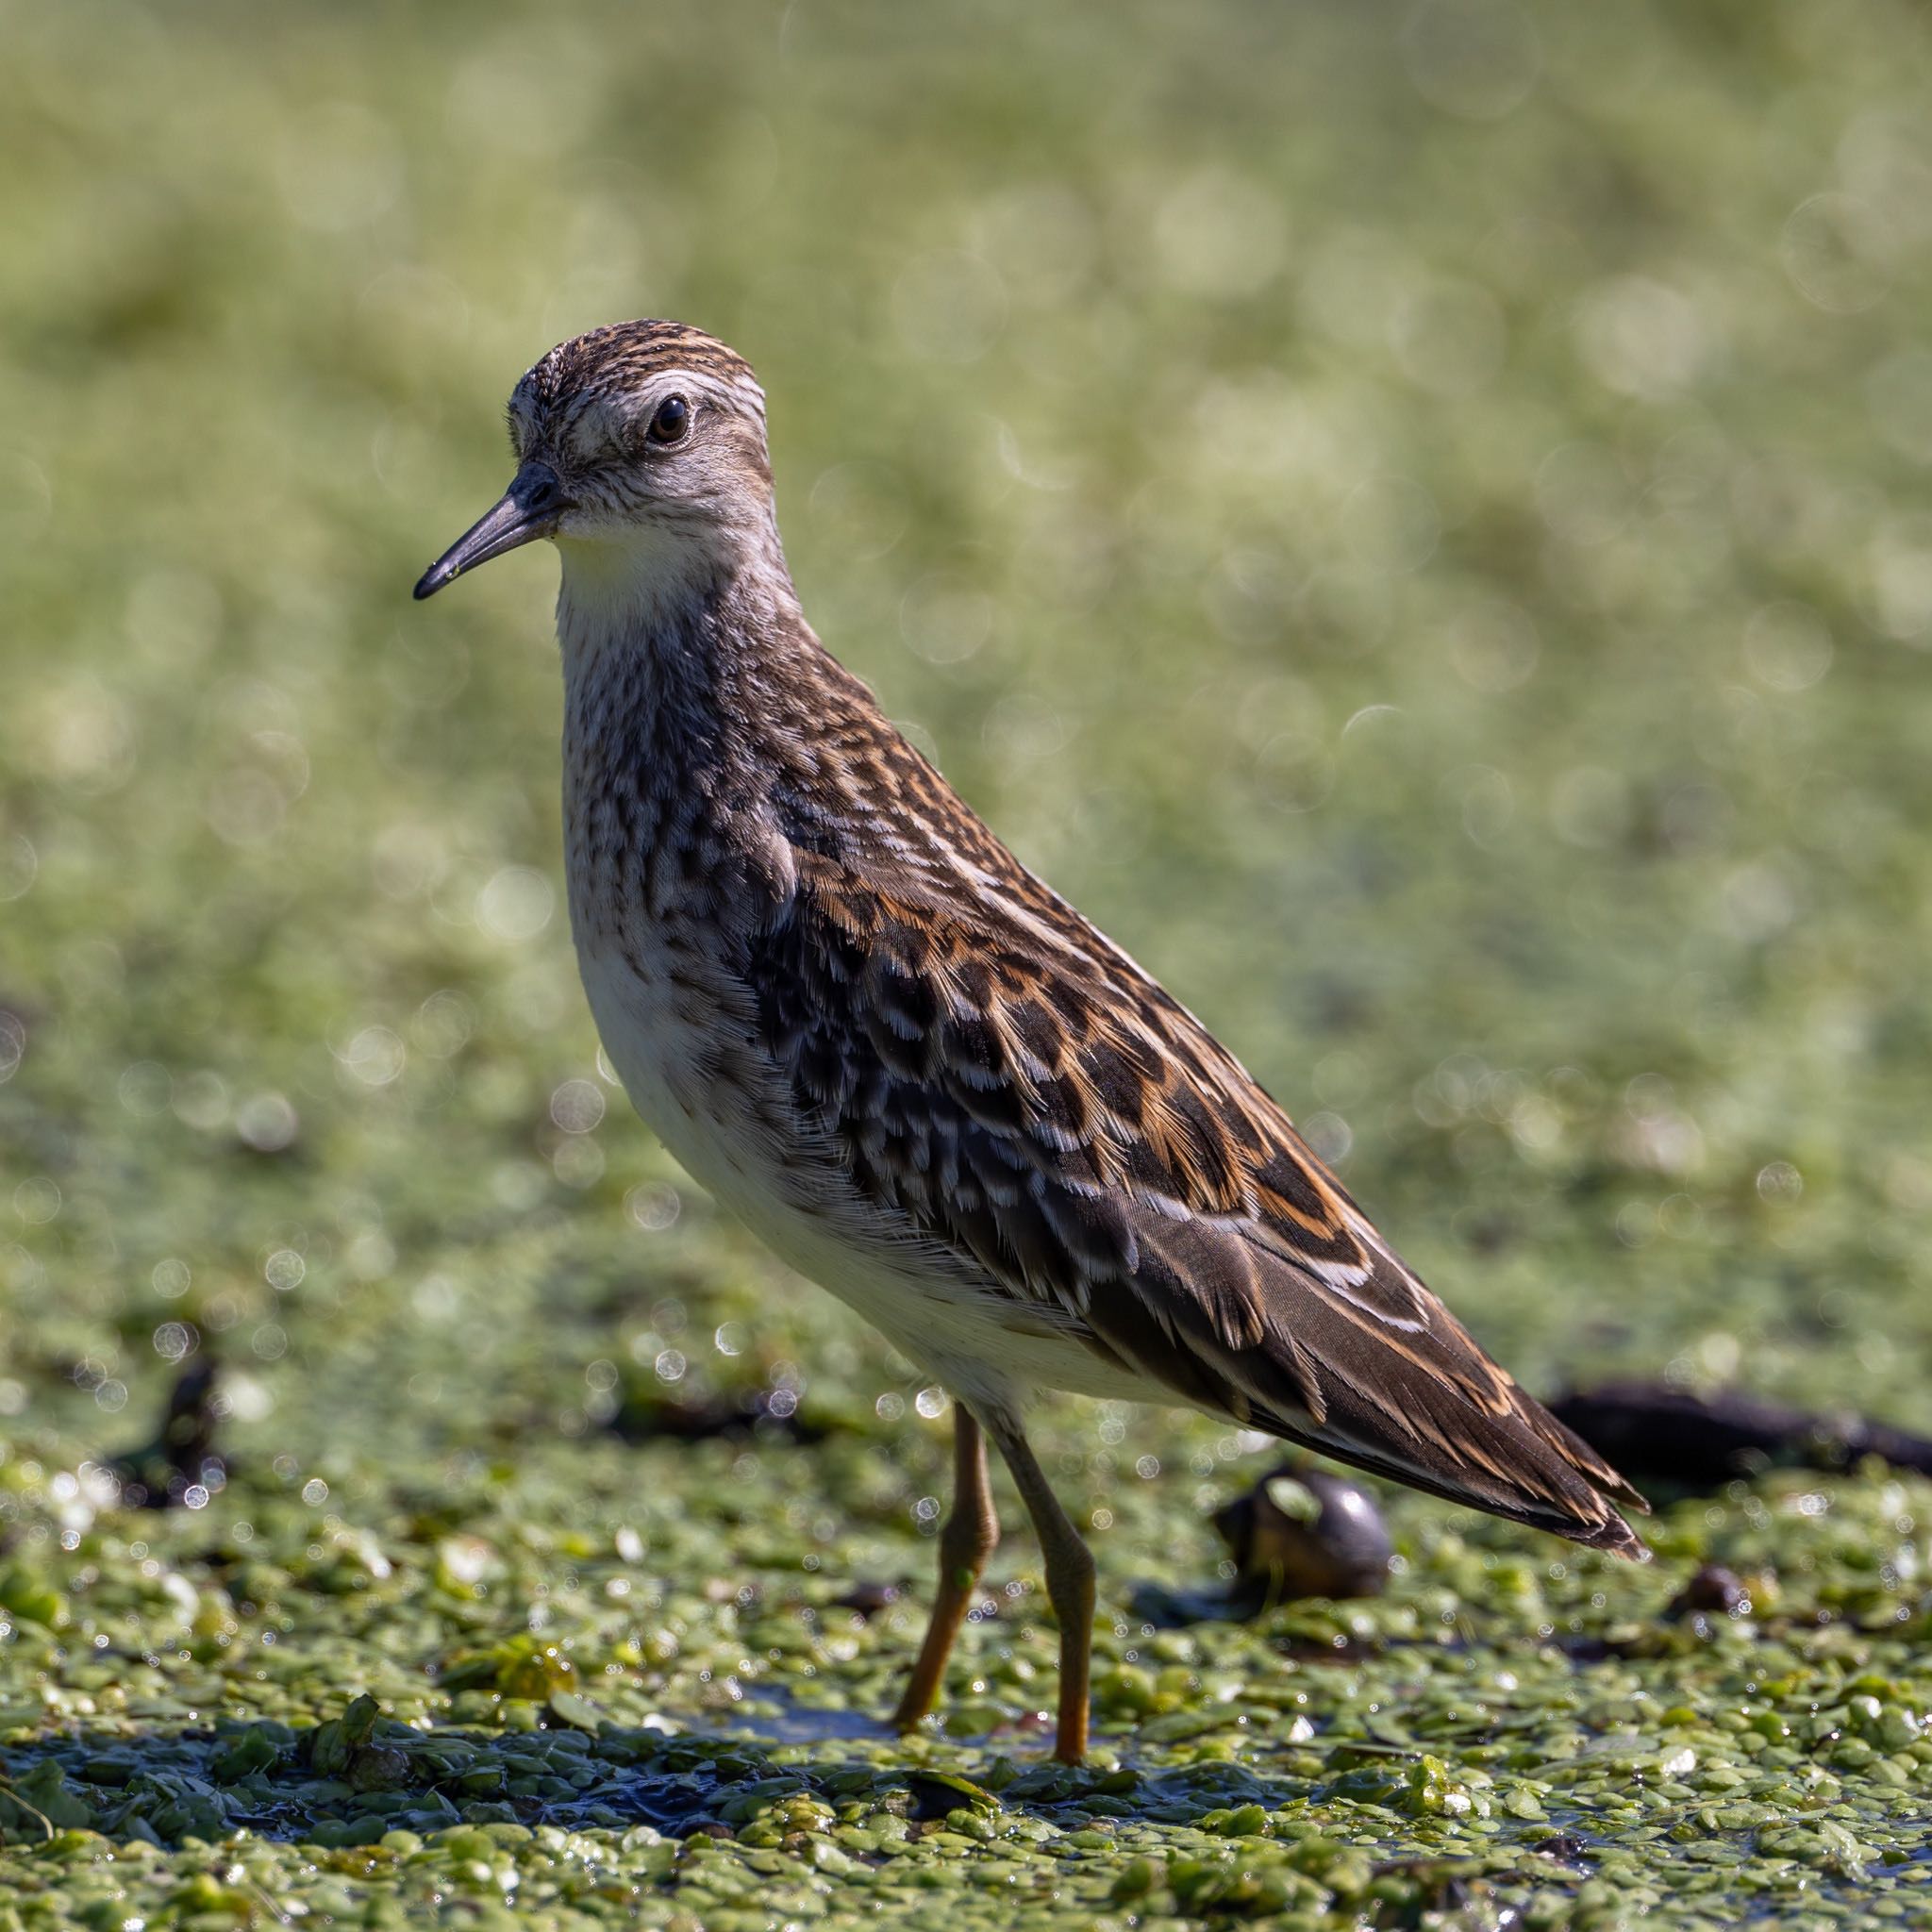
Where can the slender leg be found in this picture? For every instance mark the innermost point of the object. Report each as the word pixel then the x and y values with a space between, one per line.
pixel 970 1532
pixel 1069 1584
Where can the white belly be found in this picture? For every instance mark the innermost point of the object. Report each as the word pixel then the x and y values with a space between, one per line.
pixel 722 1108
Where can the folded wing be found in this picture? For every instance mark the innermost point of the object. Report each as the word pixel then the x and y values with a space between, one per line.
pixel 993 1067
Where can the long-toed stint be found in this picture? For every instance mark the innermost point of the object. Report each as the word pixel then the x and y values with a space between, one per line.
pixel 908 1065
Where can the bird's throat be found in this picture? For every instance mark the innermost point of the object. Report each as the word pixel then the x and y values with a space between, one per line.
pixel 617 595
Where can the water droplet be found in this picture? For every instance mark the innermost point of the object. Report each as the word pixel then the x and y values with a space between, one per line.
pixel 578 1106
pixel 1294 771
pixel 201 1101
pixel 37 1200
pixel 1329 1135
pixel 267 1122
pixel 579 1162
pixel 374 1056
pixel 443 1025
pixel 1835 250
pixel 654 1207
pixel 945 624
pixel 12 1045
pixel 145 1087
pixel 516 903
pixel 284 1270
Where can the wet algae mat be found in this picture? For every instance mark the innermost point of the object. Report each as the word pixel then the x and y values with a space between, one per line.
pixel 1419 519
pixel 592 1691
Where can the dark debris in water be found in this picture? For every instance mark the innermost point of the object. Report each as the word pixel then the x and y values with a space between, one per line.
pixel 1673 1437
pixel 762 1414
pixel 1713 1590
pixel 1305 1532
pixel 866 1599
pixel 184 1453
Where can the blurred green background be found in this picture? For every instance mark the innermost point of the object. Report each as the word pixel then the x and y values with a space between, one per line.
pixel 1416 518
pixel 1418 521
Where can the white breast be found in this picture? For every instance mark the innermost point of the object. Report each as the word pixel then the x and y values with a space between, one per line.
pixel 722 1109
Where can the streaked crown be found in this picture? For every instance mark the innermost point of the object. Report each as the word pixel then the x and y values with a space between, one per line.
pixel 590 396
pixel 624 355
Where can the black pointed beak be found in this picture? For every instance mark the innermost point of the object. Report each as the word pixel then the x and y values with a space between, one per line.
pixel 529 509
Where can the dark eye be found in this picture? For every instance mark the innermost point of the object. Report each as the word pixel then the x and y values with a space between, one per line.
pixel 672 424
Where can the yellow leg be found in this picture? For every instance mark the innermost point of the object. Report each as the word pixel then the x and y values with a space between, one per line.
pixel 1069 1585
pixel 970 1533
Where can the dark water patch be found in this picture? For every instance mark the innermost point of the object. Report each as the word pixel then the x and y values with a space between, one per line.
pixel 779 1720
pixel 352 1780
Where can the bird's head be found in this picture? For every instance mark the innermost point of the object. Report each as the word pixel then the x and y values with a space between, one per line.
pixel 641 452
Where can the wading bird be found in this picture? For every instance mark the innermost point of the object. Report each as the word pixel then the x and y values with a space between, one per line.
pixel 908 1065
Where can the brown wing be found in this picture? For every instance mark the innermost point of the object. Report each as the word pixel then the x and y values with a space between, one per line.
pixel 997 1069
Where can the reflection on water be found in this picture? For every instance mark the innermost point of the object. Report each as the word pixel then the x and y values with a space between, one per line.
pixel 784 1721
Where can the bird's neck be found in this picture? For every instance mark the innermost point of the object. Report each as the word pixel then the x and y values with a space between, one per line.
pixel 664 629
pixel 702 716
pixel 682 686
